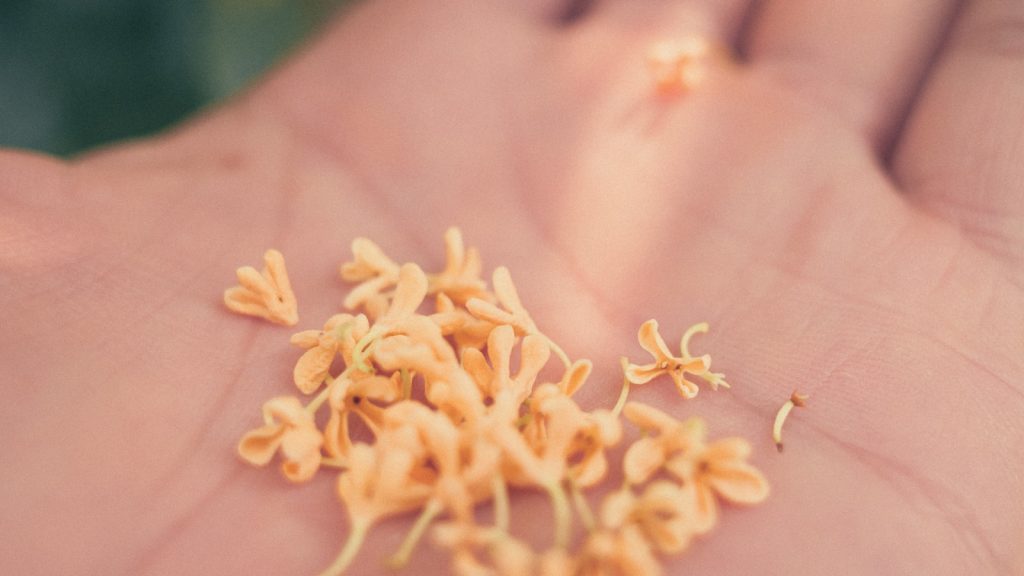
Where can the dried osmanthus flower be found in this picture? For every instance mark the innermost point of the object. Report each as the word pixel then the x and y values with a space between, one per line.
pixel 375 273
pixel 703 470
pixel 795 400
pixel 460 280
pixel 360 394
pixel 677 367
pixel 620 550
pixel 339 336
pixel 506 555
pixel 381 480
pixel 267 294
pixel 481 428
pixel 511 310
pixel 290 428
pixel 663 513
pixel 496 375
pixel 463 468
pixel 467 330
pixel 424 351
pixel 591 434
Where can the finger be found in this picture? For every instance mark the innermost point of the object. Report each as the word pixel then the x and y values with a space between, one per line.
pixel 961 154
pixel 859 60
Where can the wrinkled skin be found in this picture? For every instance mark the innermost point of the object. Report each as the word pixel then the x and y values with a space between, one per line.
pixel 844 208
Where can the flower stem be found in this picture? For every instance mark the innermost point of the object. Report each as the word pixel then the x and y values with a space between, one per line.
pixel 406 384
pixel 336 463
pixel 363 348
pixel 501 513
pixel 582 507
pixel 622 398
pixel 401 558
pixel 558 351
pixel 349 551
pixel 320 398
pixel 563 513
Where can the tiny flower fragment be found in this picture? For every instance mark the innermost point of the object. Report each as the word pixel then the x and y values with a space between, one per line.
pixel 678 66
pixel 267 294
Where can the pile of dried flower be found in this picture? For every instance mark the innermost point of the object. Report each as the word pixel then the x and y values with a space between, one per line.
pixel 454 427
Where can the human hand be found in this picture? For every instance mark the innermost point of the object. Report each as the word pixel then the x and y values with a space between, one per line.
pixel 842 235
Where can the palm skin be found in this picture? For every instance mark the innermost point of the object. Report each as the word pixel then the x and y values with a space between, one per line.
pixel 745 203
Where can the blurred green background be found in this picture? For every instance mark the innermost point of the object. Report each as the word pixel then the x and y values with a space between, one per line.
pixel 75 74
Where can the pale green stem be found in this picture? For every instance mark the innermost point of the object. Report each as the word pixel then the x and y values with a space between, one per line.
pixel 320 398
pixel 406 384
pixel 349 551
pixel 582 507
pixel 401 558
pixel 563 513
pixel 363 348
pixel 337 463
pixel 622 398
pixel 501 510
pixel 558 351
pixel 684 344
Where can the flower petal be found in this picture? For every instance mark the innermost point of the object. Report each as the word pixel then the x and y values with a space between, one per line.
pixel 258 446
pixel 687 389
pixel 575 376
pixel 737 482
pixel 642 460
pixel 499 351
pixel 616 508
pixel 337 441
pixel 648 417
pixel 534 354
pixel 306 338
pixel 312 368
pixel 727 449
pixel 286 410
pixel 650 339
pixel 409 293
pixel 591 469
pixel 665 516
pixel 369 261
pixel 705 508
pixel 642 374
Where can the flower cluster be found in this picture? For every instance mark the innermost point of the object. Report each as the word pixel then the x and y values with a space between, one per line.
pixel 460 403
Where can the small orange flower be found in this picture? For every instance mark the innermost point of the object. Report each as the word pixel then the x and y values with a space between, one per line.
pixel 467 330
pixel 356 395
pixel 675 366
pixel 648 455
pixel 290 428
pixel 511 310
pixel 718 469
pixel 620 552
pixel 340 334
pixel 704 470
pixel 379 482
pixel 375 272
pixel 508 556
pixel 661 512
pixel 495 376
pixel 460 280
pixel 267 294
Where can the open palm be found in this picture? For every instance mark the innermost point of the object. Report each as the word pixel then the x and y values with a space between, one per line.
pixel 844 235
